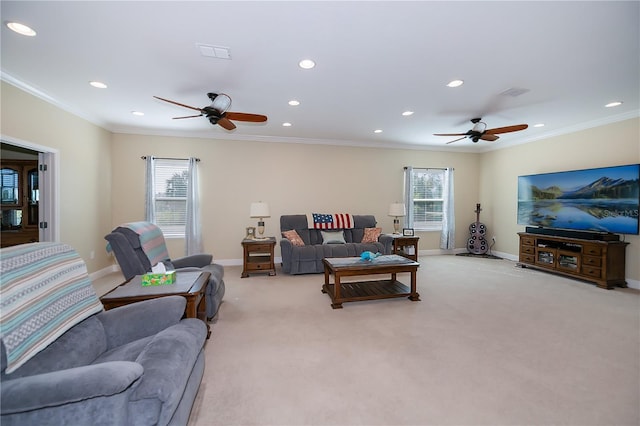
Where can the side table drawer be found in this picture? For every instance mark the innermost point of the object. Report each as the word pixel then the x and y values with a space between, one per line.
pixel 259 248
pixel 253 266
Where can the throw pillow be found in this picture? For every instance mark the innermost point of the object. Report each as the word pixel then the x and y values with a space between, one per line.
pixel 333 237
pixel 293 237
pixel 371 235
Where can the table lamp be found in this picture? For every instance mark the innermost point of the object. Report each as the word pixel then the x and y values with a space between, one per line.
pixel 396 210
pixel 260 210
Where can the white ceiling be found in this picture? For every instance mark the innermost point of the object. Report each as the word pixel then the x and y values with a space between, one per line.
pixel 374 61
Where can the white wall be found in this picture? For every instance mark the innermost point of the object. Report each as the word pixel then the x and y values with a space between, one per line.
pixel 85 168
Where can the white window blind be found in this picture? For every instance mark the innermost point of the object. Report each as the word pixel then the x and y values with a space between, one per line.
pixel 171 180
pixel 425 198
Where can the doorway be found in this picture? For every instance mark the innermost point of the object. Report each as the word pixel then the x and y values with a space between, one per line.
pixel 29 192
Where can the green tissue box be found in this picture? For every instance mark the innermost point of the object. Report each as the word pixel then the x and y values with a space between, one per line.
pixel 159 279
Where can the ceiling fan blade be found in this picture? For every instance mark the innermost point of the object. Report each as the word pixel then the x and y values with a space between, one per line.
pixel 224 122
pixel 188 116
pixel 177 103
pixel 489 137
pixel 242 116
pixel 455 140
pixel 450 134
pixel 507 129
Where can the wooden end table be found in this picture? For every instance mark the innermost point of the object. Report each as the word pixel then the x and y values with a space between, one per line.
pixel 258 256
pixel 190 285
pixel 393 264
pixel 406 246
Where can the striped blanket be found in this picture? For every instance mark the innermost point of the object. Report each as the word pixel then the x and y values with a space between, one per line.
pixel 44 291
pixel 151 241
pixel 329 221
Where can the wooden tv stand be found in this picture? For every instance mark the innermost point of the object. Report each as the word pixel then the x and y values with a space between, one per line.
pixel 601 262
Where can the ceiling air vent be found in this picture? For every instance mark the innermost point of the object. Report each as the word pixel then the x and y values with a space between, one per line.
pixel 514 92
pixel 211 51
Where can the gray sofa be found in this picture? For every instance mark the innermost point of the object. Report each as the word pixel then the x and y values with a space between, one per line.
pixel 307 259
pixel 139 364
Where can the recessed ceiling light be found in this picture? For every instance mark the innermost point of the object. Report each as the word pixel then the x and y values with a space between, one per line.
pixel 306 64
pixel 98 84
pixel 539 125
pixel 138 113
pixel 455 83
pixel 21 29
pixel 377 131
pixel 286 124
pixel 407 113
pixel 293 102
pixel 613 104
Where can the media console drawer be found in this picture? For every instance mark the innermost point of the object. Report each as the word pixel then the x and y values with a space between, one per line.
pixel 601 262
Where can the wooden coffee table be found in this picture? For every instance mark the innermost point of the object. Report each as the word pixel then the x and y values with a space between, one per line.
pixel 190 285
pixel 368 290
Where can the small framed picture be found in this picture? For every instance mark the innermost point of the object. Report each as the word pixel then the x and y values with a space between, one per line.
pixel 251 233
pixel 407 232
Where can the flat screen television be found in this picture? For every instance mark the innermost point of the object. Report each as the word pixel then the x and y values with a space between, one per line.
pixel 601 200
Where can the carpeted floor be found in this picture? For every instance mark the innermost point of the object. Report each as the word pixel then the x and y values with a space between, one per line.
pixel 488 344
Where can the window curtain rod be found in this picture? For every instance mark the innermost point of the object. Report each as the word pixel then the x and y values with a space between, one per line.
pixel 430 168
pixel 144 157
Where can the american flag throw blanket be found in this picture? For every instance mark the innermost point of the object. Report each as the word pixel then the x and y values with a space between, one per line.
pixel 329 221
pixel 44 291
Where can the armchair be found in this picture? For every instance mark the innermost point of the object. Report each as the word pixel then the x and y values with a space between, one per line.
pixel 139 245
pixel 65 361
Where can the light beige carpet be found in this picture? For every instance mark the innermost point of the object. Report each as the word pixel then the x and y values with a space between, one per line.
pixel 489 344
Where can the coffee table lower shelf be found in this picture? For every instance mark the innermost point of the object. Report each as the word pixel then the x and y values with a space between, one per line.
pixel 368 290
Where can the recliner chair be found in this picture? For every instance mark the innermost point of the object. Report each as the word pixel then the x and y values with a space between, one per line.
pixel 126 244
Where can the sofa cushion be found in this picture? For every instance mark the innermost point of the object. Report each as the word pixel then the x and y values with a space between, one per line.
pixel 371 235
pixel 293 236
pixel 333 237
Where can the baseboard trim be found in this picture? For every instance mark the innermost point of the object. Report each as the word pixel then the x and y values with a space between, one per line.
pixel 104 272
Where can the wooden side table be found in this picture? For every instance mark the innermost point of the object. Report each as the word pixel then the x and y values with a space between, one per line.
pixel 258 256
pixel 190 285
pixel 406 246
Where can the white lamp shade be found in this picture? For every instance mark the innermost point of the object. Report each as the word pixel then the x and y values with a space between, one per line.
pixel 397 209
pixel 259 209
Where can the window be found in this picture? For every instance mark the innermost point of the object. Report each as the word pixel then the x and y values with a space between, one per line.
pixel 170 184
pixel 425 198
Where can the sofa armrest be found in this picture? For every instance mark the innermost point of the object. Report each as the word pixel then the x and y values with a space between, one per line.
pixel 168 360
pixel 67 386
pixel 141 319
pixel 387 242
pixel 195 260
pixel 286 250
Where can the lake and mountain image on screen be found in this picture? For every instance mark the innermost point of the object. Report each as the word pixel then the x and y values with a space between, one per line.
pixel 603 200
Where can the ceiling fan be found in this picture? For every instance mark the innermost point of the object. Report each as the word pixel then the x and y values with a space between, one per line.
pixel 217 112
pixel 480 131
